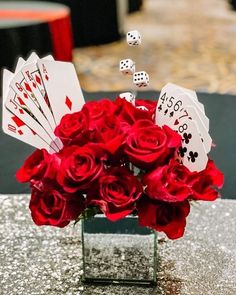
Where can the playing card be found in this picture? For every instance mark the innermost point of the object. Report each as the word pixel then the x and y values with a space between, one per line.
pixel 192 153
pixel 189 91
pixel 191 113
pixel 16 128
pixel 192 94
pixel 173 101
pixel 37 91
pixel 33 57
pixel 25 98
pixel 62 87
pixel 19 64
pixel 11 103
pixel 32 71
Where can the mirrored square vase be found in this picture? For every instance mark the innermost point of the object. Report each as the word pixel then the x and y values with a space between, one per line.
pixel 119 252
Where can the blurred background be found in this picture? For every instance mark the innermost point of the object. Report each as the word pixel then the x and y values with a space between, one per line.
pixel 191 43
pixel 187 42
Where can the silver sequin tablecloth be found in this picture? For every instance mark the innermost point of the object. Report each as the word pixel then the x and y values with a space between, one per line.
pixel 45 260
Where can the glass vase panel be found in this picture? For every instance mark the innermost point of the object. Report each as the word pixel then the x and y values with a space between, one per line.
pixel 119 252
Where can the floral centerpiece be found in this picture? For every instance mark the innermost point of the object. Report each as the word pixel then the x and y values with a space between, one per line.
pixel 116 160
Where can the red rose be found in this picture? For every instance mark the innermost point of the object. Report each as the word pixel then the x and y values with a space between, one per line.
pixel 168 183
pixel 50 207
pixel 128 113
pixel 163 216
pixel 204 183
pixel 148 145
pixel 73 128
pixel 38 165
pixel 150 105
pixel 80 167
pixel 98 109
pixel 118 192
pixel 110 134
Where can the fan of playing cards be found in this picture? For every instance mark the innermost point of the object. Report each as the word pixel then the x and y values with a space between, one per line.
pixel 127 156
pixel 180 109
pixel 36 97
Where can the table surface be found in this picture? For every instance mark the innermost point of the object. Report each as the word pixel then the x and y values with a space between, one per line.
pixel 46 260
pixel 22 13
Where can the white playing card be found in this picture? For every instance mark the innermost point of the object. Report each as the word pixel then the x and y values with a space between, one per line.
pixel 192 153
pixel 173 101
pixel 19 65
pixel 21 62
pixel 16 128
pixel 32 77
pixel 33 57
pixel 6 77
pixel 62 87
pixel 20 112
pixel 25 98
pixel 190 112
pixel 186 90
pixel 192 94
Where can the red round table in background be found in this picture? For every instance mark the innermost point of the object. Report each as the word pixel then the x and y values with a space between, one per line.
pixel 27 26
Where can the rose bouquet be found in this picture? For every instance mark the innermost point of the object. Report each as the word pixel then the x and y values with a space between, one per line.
pixel 116 160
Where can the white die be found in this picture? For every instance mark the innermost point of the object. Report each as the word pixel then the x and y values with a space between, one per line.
pixel 128 96
pixel 141 79
pixel 127 66
pixel 133 38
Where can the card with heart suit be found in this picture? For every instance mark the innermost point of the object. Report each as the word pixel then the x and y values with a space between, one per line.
pixel 181 111
pixel 15 127
pixel 190 113
pixel 62 86
pixel 172 101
